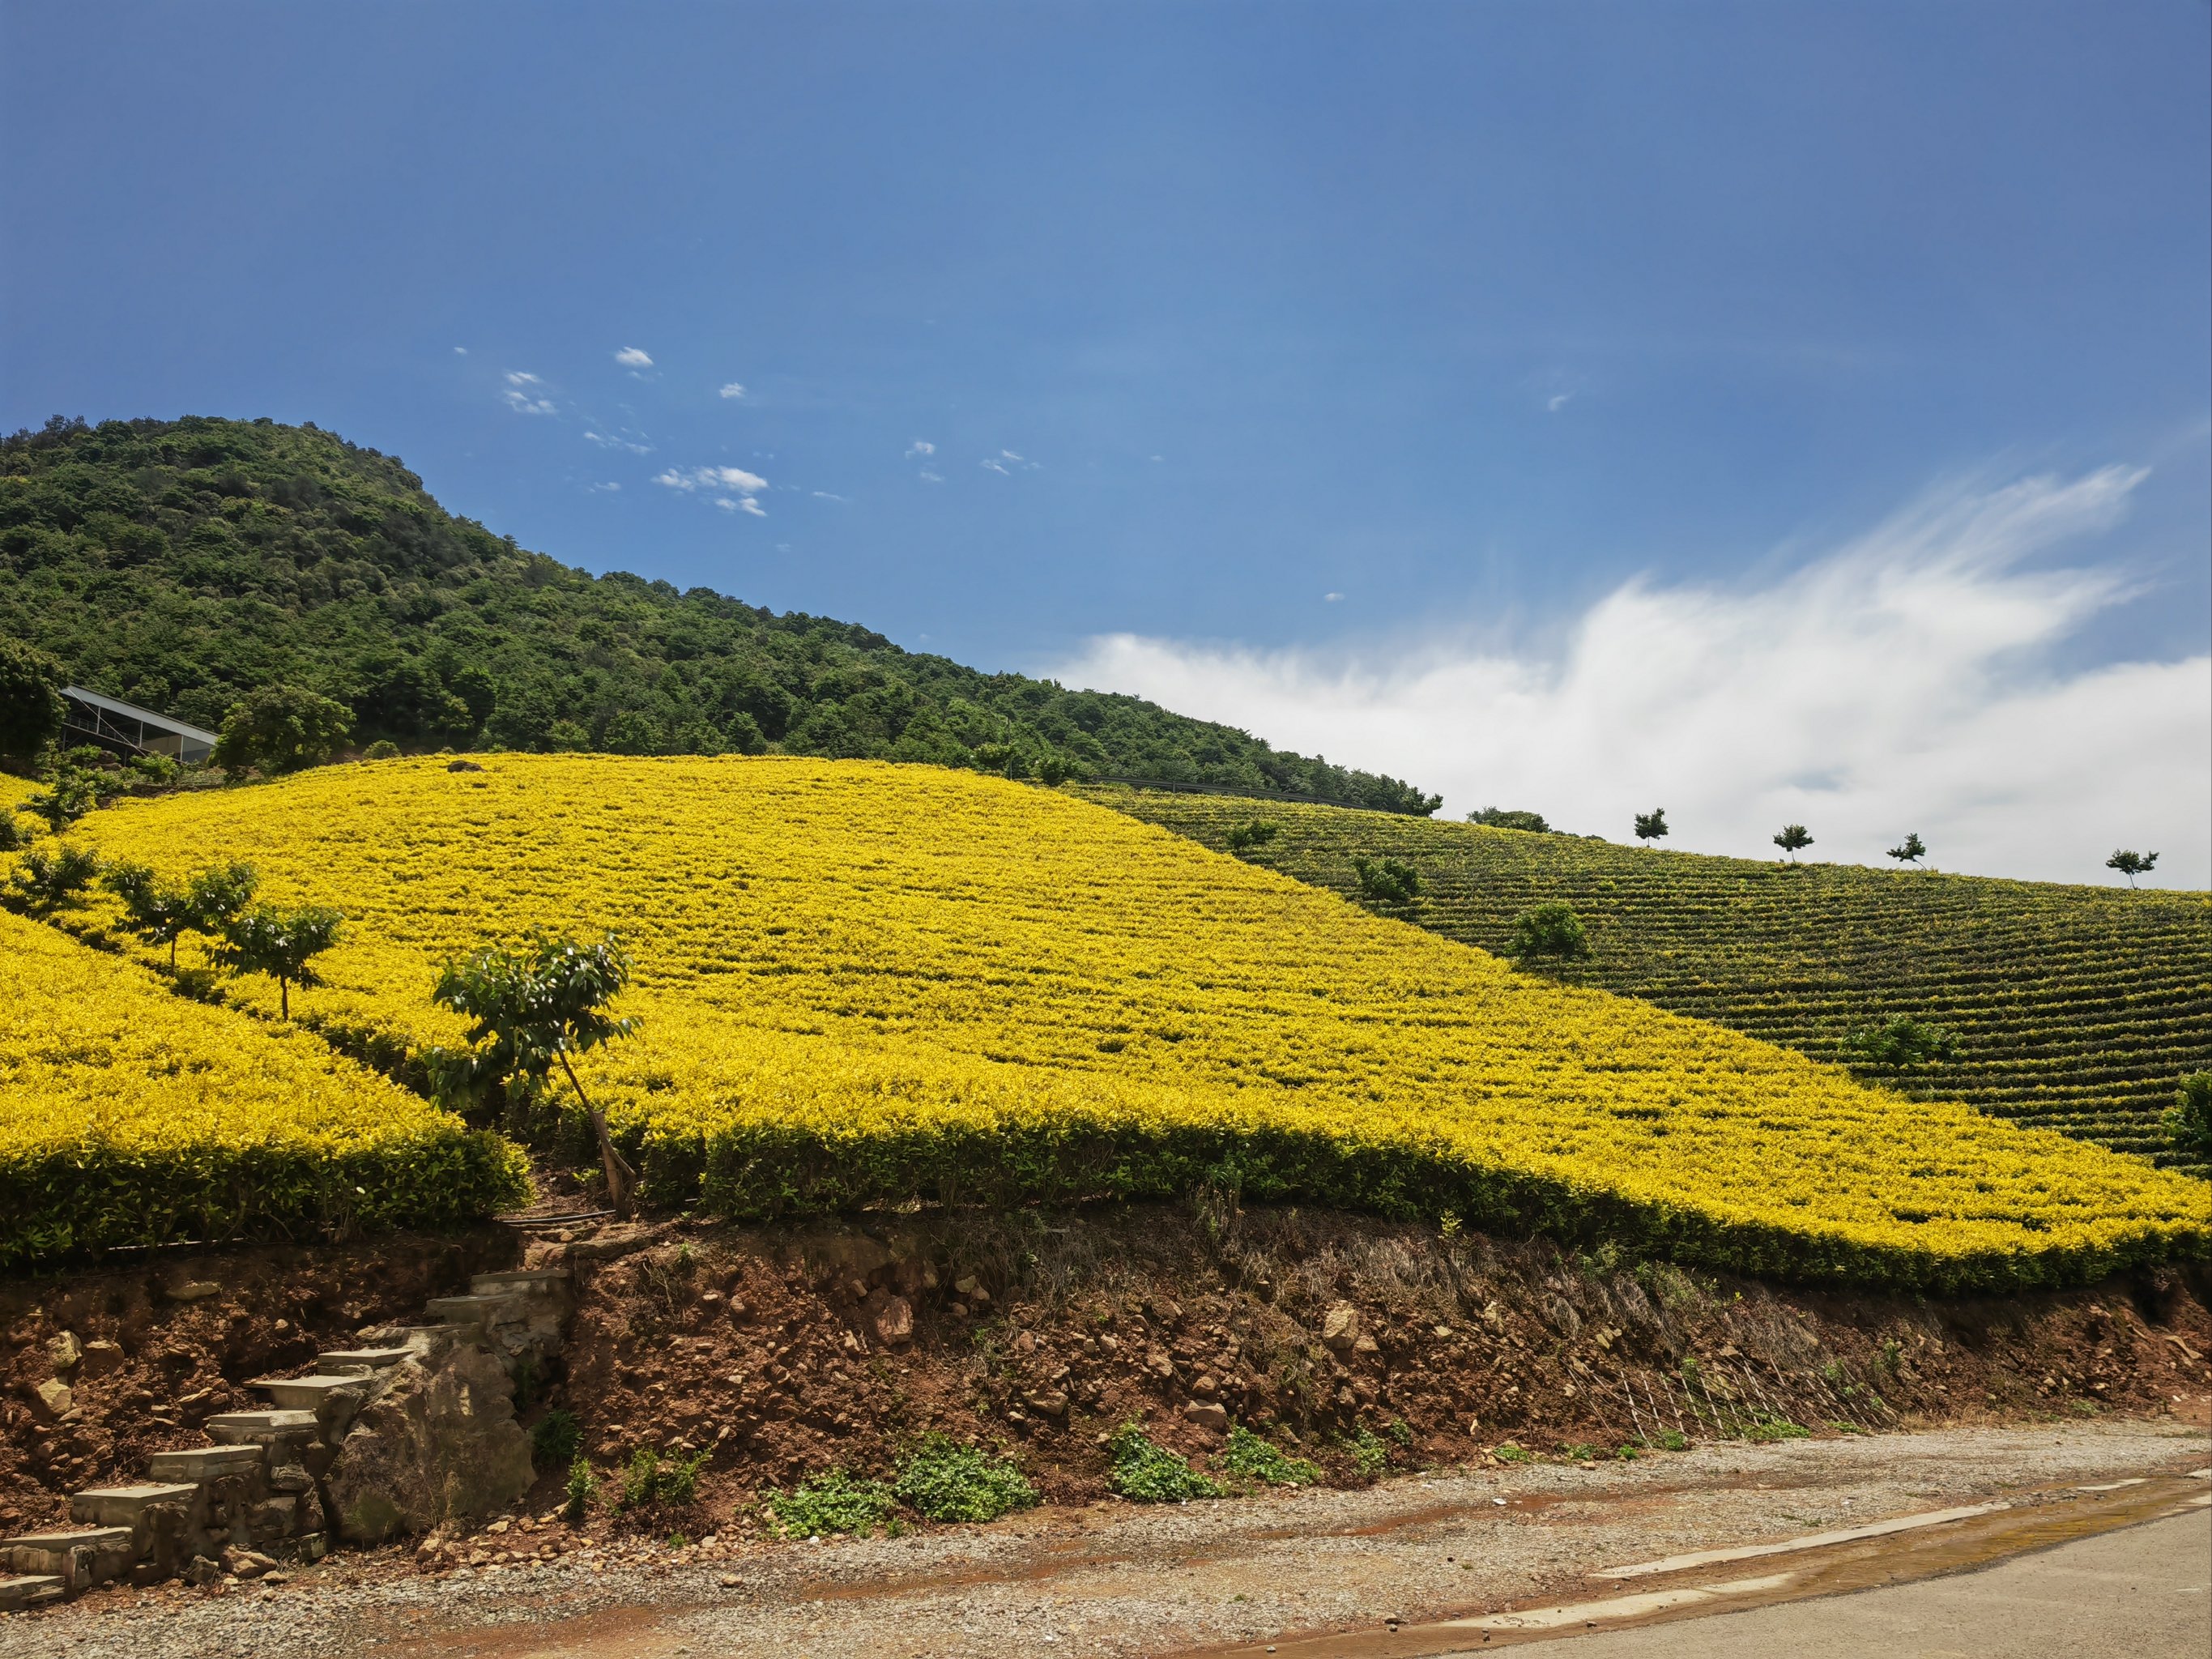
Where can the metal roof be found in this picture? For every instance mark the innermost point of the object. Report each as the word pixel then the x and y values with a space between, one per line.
pixel 132 710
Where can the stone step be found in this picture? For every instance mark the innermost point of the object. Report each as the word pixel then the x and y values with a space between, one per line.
pixel 484 1310
pixel 269 1428
pixel 305 1394
pixel 530 1281
pixel 80 1560
pixel 29 1590
pixel 359 1362
pixel 121 1506
pixel 198 1463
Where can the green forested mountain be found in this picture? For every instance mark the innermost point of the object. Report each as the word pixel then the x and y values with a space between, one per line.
pixel 180 563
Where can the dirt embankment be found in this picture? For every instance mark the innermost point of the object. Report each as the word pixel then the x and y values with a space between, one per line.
pixel 1350 1340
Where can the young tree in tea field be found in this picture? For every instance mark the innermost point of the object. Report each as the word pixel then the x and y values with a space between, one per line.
pixel 42 883
pixel 157 911
pixel 1793 840
pixel 2131 864
pixel 280 728
pixel 1550 929
pixel 530 1009
pixel 281 944
pixel 1910 850
pixel 1505 818
pixel 2189 1120
pixel 1651 825
pixel 1388 881
pixel 1243 837
pixel 1905 1045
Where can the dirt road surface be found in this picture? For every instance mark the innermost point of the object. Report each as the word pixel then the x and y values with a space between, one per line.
pixel 1396 1571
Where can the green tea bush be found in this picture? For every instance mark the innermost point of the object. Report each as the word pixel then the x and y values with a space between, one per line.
pixel 945 1480
pixel 1146 1472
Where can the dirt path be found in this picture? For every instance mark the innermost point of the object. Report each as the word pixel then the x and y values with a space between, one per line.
pixel 1299 1571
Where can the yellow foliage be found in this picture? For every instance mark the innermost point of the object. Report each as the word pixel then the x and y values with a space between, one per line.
pixel 859 981
pixel 131 1115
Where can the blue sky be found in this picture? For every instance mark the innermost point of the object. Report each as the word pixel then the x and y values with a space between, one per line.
pixel 1467 316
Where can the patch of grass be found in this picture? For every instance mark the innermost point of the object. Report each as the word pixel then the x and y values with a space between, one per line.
pixel 1256 1459
pixel 556 1439
pixel 1847 1428
pixel 1509 1453
pixel 1671 1440
pixel 1767 1430
pixel 831 1503
pixel 1146 1472
pixel 1369 1457
pixel 1576 1452
pixel 649 1480
pixel 945 1480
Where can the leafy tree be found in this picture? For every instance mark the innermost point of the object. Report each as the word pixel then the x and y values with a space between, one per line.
pixel 1500 817
pixel 156 911
pixel 530 1009
pixel 2131 865
pixel 281 944
pixel 1912 850
pixel 43 883
pixel 1549 929
pixel 2189 1120
pixel 1388 881
pixel 1793 840
pixel 1243 837
pixel 31 705
pixel 280 728
pixel 1651 825
pixel 70 792
pixel 1903 1044
pixel 218 895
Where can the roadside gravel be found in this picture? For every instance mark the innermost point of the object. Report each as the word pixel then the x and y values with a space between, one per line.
pixel 1113 1579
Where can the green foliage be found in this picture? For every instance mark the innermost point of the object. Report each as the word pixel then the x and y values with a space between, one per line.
pixel 943 1480
pixel 1910 850
pixel 1510 1453
pixel 217 896
pixel 31 705
pixel 1388 881
pixel 831 1503
pixel 1500 817
pixel 156 911
pixel 11 832
pixel 281 944
pixel 649 1480
pixel 2189 1120
pixel 529 1009
pixel 1903 1044
pixel 2131 864
pixel 1672 1440
pixel 1146 1472
pixel 184 564
pixel 70 792
pixel 1765 1431
pixel 1253 832
pixel 1550 929
pixel 1370 1454
pixel 583 1489
pixel 1651 825
pixel 43 883
pixel 382 749
pixel 556 1440
pixel 1576 1451
pixel 1792 839
pixel 1255 1459
pixel 280 728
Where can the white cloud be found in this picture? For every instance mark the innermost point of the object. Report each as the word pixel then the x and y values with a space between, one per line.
pixel 523 404
pixel 460 351
pixel 517 378
pixel 607 442
pixel 922 446
pixel 825 495
pixel 741 504
pixel 713 478
pixel 607 487
pixel 997 466
pixel 1007 463
pixel 1334 598
pixel 733 389
pixel 1559 401
pixel 930 475
pixel 631 357
pixel 1907 681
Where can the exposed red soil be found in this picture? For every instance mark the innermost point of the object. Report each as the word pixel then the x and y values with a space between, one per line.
pixel 782 1350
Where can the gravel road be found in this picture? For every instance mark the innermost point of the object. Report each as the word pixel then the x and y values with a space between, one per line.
pixel 1116 1579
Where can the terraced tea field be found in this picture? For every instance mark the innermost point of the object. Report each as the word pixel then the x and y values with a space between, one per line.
pixel 2077 1008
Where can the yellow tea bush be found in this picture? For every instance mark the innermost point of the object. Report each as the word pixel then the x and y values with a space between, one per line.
pixel 864 983
pixel 130 1115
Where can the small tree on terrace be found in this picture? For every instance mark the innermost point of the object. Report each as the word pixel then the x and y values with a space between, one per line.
pixel 41 884
pixel 2189 1120
pixel 2131 865
pixel 1651 825
pixel 162 914
pixel 1550 929
pixel 280 728
pixel 531 1008
pixel 1912 850
pixel 1793 840
pixel 281 944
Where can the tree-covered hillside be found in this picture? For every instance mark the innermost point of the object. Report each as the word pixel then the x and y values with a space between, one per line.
pixel 181 563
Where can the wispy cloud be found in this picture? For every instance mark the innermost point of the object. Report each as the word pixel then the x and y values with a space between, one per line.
pixel 608 488
pixel 922 446
pixel 825 495
pixel 608 441
pixel 930 475
pixel 733 389
pixel 713 478
pixel 631 357
pixel 1910 680
pixel 1334 598
pixel 515 377
pixel 1007 463
pixel 521 394
pixel 1558 401
pixel 741 504
pixel 460 351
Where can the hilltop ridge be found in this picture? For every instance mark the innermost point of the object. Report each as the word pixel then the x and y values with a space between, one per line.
pixel 180 563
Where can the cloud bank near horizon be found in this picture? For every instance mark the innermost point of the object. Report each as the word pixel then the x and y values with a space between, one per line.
pixel 1908 681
